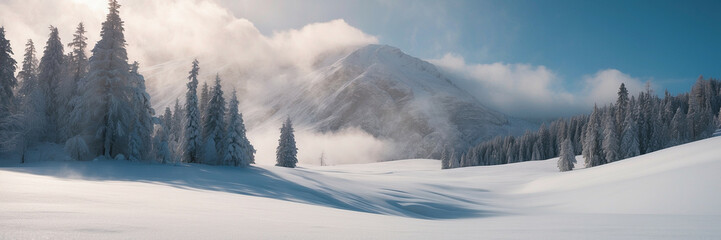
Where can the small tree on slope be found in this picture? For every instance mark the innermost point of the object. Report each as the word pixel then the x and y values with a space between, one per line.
pixel 286 151
pixel 567 158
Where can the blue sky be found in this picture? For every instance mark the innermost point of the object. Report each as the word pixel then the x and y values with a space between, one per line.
pixel 668 42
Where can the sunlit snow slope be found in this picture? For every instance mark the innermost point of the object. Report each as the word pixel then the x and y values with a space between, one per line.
pixel 670 194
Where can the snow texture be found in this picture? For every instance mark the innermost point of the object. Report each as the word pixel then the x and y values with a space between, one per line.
pixel 669 194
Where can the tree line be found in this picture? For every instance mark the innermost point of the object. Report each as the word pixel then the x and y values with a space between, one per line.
pixel 627 128
pixel 98 106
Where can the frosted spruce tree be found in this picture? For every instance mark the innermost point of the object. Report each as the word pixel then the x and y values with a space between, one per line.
pixel 214 123
pixel 23 126
pixel 679 128
pixel 621 107
pixel 7 75
pixel 567 158
pixel 610 139
pixel 49 79
pixel 445 163
pixel 28 75
pixel 76 67
pixel 192 143
pixel 204 98
pixel 629 138
pixel 177 128
pixel 141 135
pixel 105 113
pixel 286 151
pixel 592 151
pixel 238 151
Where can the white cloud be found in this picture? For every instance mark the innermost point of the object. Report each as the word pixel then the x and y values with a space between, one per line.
pixel 164 36
pixel 525 90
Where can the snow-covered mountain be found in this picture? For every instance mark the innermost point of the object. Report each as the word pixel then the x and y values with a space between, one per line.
pixel 375 88
pixel 392 95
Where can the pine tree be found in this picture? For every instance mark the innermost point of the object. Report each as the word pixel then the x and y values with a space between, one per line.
pixel 445 163
pixel 204 99
pixel 566 157
pixel 167 120
pixel 105 110
pixel 629 138
pixel 192 145
pixel 236 143
pixel 141 135
pixel 286 151
pixel 214 124
pixel 7 75
pixel 245 145
pixel 679 128
pixel 610 139
pixel 28 75
pixel 621 107
pixel 592 141
pixel 177 128
pixel 49 79
pixel 76 67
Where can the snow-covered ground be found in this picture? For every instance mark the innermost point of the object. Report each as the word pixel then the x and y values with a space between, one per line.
pixel 670 194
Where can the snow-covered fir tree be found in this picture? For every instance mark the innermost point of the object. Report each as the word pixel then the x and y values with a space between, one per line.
pixel 142 130
pixel 27 77
pixel 105 111
pixel 286 151
pixel 204 99
pixel 610 143
pixel 629 139
pixel 566 158
pixel 679 128
pixel 238 151
pixel 192 139
pixel 177 128
pixel 214 123
pixel 7 75
pixel 50 77
pixel 592 151
pixel 445 163
pixel 76 67
pixel 621 107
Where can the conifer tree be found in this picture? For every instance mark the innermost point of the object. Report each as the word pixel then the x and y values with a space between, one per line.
pixel 142 130
pixel 28 75
pixel 567 158
pixel 286 151
pixel 679 128
pixel 214 124
pixel 621 107
pixel 76 67
pixel 629 139
pixel 49 79
pixel 192 138
pixel 7 75
pixel 105 111
pixel 592 142
pixel 204 99
pixel 610 139
pixel 238 151
pixel 177 129
pixel 445 164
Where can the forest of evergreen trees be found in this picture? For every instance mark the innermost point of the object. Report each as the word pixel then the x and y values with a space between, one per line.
pixel 98 106
pixel 627 128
